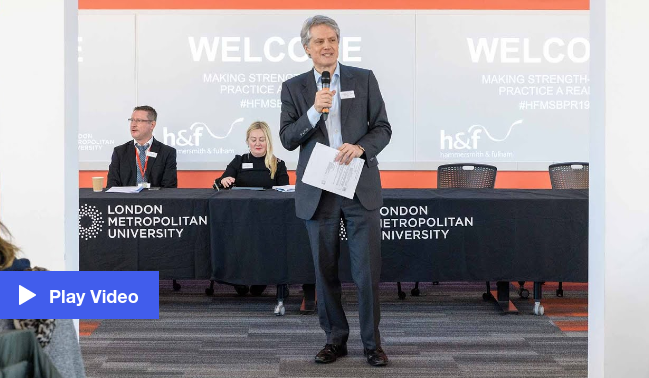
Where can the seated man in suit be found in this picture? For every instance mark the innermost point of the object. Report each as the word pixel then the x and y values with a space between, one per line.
pixel 143 160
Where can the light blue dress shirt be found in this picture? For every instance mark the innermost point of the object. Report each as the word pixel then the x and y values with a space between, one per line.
pixel 333 122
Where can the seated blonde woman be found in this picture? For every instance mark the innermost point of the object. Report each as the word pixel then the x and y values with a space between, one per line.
pixel 257 168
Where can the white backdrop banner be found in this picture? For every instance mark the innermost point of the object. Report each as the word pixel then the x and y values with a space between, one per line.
pixel 485 87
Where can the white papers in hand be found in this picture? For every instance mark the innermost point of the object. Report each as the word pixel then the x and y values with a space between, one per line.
pixel 322 172
pixel 125 189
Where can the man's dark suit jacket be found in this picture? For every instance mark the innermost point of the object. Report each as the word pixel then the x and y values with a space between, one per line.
pixel 364 121
pixel 160 171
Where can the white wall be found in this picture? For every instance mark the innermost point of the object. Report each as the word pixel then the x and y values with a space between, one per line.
pixel 38 129
pixel 619 231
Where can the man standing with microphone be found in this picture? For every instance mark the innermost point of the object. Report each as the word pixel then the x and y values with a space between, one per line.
pixel 346 113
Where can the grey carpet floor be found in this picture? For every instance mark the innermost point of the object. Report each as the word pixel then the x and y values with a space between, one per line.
pixel 448 331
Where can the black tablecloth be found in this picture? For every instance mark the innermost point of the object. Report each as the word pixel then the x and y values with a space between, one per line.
pixel 115 248
pixel 258 239
pixel 531 235
pixel 254 236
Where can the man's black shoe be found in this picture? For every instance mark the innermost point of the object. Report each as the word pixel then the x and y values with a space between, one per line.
pixel 376 357
pixel 330 353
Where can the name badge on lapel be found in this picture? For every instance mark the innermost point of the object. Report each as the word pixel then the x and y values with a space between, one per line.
pixel 152 154
pixel 246 166
pixel 347 94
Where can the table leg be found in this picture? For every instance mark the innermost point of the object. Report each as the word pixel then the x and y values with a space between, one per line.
pixel 538 294
pixel 210 290
pixel 501 294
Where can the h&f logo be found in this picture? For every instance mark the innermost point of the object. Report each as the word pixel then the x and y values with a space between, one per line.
pixel 192 137
pixel 462 141
pixel 469 140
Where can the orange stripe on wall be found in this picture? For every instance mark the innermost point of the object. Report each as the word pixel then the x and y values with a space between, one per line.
pixel 389 179
pixel 339 4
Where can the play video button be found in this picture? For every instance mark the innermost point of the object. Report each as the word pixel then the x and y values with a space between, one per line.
pixel 24 295
pixel 79 295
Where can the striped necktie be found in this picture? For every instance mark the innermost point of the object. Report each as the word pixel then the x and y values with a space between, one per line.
pixel 142 154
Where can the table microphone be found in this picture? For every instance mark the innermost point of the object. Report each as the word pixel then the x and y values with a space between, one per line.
pixel 326 82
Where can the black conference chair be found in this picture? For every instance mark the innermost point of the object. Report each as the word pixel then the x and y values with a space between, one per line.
pixel 466 175
pixel 461 175
pixel 572 175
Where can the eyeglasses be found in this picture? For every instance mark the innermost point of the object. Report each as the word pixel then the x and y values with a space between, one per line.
pixel 139 121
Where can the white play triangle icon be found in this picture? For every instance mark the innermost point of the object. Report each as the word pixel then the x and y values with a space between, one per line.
pixel 24 295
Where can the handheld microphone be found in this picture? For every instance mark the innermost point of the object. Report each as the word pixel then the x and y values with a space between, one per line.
pixel 326 82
